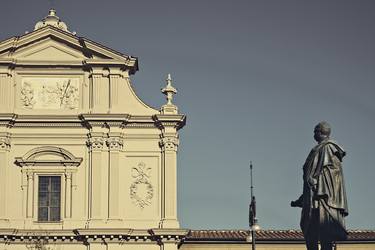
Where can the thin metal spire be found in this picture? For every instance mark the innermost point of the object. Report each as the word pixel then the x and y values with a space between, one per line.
pixel 251 180
pixel 252 206
pixel 253 224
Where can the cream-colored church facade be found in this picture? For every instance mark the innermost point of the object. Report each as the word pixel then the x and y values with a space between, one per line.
pixel 84 163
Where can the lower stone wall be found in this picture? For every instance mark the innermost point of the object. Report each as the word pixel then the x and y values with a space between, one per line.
pixel 73 246
pixel 100 244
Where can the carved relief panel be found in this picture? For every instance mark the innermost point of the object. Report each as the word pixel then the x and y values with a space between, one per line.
pixel 141 187
pixel 50 93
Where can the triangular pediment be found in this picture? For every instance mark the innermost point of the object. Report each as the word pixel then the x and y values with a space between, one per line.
pixel 52 44
pixel 49 50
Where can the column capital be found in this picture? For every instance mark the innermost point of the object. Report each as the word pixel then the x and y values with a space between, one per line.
pixel 30 175
pixel 169 143
pixel 4 143
pixel 68 175
pixel 115 143
pixel 95 143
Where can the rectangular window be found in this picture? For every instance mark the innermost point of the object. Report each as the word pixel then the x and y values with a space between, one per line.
pixel 49 193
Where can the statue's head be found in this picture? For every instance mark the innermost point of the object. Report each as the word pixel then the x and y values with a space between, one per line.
pixel 322 131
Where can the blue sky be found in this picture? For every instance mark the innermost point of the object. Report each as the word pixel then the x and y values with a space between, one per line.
pixel 253 78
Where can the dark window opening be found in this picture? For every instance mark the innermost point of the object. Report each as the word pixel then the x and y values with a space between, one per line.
pixel 49 194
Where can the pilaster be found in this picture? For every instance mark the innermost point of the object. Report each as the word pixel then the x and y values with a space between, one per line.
pixel 169 141
pixel 6 90
pixel 105 142
pixel 4 150
pixel 68 195
pixel 96 145
pixel 115 145
pixel 115 78
pixel 30 195
pixel 99 90
pixel 169 144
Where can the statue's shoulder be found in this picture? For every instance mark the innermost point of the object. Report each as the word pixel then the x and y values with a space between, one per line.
pixel 333 143
pixel 334 148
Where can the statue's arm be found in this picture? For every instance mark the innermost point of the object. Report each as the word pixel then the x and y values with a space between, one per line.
pixel 298 202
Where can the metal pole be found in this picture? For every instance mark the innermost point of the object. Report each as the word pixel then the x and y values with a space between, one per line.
pixel 253 234
pixel 252 222
pixel 251 181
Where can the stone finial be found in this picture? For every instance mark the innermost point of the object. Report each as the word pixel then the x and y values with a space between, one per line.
pixel 169 90
pixel 53 20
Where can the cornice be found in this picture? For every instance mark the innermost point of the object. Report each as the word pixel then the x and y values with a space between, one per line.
pixel 129 62
pixel 102 231
pixel 182 236
pixel 121 120
pixel 42 63
pixel 181 232
pixel 7 119
pixel 7 61
pixel 95 120
pixel 177 121
pixel 47 31
pixel 140 122
pixel 50 120
pixel 11 62
pixel 67 163
pixel 47 117
pixel 163 235
pixel 7 43
pixel 119 235
pixel 89 120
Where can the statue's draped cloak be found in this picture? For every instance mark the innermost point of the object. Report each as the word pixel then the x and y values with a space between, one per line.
pixel 324 190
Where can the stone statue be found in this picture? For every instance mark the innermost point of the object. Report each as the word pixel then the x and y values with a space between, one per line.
pixel 323 200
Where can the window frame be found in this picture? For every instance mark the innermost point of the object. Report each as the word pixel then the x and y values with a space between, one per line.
pixel 47 161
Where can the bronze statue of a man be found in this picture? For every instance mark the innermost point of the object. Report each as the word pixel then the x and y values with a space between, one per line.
pixel 323 201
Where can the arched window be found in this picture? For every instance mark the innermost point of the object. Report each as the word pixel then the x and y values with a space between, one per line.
pixel 47 174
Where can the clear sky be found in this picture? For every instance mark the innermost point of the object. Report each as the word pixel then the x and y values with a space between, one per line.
pixel 254 78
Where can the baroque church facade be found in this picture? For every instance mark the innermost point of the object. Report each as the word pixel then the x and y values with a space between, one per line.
pixel 82 158
pixel 84 163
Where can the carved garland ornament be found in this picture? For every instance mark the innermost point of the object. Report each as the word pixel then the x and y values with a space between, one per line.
pixel 141 190
pixel 50 93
